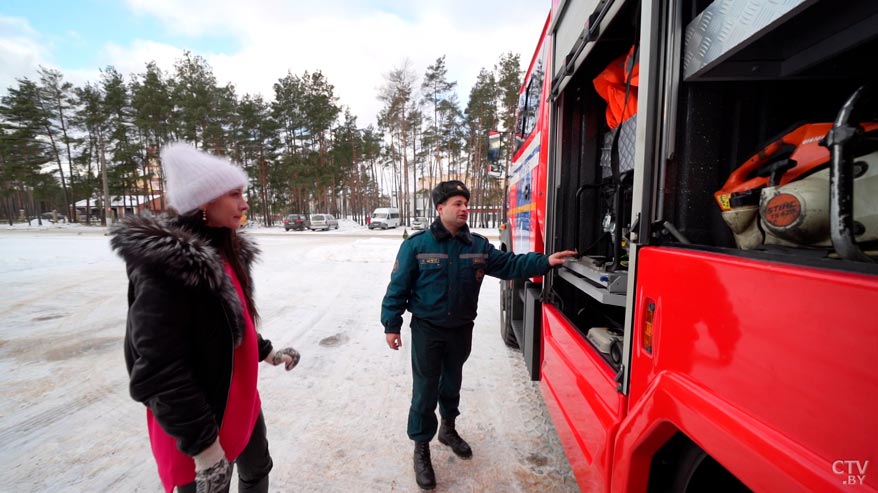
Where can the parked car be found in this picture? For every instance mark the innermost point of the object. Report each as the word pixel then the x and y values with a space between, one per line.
pixel 384 217
pixel 420 223
pixel 48 216
pixel 322 221
pixel 295 222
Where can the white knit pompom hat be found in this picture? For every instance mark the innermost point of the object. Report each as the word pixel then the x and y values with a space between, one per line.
pixel 194 178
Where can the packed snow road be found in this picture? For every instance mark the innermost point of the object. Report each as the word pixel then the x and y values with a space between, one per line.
pixel 335 423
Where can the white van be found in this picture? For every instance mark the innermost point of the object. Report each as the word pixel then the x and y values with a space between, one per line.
pixel 384 217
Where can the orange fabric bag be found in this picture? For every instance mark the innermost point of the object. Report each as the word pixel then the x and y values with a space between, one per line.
pixel 610 85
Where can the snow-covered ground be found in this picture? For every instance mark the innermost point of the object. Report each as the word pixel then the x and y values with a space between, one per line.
pixel 335 423
pixel 345 227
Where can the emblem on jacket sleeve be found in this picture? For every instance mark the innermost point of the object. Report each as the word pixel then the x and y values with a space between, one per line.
pixel 480 274
pixel 395 266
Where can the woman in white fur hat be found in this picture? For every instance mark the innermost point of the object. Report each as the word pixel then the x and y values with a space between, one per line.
pixel 191 346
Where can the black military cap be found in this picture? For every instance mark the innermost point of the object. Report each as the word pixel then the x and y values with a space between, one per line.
pixel 448 189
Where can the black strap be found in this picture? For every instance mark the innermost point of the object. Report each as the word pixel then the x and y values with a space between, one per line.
pixel 614 166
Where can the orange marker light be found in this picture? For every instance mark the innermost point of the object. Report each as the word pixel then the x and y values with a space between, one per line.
pixel 648 316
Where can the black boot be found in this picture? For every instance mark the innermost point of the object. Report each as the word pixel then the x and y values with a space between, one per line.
pixel 448 436
pixel 424 467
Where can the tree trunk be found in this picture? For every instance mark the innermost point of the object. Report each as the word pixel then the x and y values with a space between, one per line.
pixel 72 205
pixel 414 172
pixel 60 168
pixel 405 167
pixel 105 199
pixel 10 209
pixel 92 148
pixel 263 188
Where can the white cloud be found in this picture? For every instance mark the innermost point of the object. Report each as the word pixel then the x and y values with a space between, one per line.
pixel 133 58
pixel 21 51
pixel 353 43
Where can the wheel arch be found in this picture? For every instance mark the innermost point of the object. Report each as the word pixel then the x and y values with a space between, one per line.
pixel 756 454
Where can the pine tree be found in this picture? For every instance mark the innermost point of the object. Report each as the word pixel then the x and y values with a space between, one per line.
pixel 437 90
pixel 509 75
pixel 287 111
pixel 300 149
pixel 55 100
pixel 452 134
pixel 194 93
pixel 371 155
pixel 481 117
pixel 289 115
pixel 90 117
pixel 321 111
pixel 223 107
pixel 153 113
pixel 23 152
pixel 152 105
pixel 120 143
pixel 397 95
pixel 256 143
pixel 346 140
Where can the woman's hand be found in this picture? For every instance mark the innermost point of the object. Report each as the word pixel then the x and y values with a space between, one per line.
pixel 212 470
pixel 288 356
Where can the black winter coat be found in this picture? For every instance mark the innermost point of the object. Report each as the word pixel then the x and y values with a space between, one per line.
pixel 184 320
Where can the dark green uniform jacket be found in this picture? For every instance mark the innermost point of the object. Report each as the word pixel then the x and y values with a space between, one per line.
pixel 437 277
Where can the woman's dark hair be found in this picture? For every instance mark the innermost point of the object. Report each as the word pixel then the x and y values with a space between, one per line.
pixel 228 244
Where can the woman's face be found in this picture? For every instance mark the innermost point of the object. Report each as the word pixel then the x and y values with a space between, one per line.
pixel 226 210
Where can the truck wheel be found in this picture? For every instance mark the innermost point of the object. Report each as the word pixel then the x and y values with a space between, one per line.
pixel 506 332
pixel 698 472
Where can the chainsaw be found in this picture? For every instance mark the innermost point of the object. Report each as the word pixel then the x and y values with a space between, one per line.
pixel 781 195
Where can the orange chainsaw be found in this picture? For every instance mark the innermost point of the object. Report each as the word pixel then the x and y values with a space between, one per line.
pixel 781 195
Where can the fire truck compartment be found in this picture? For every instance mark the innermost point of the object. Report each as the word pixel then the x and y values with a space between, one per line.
pixel 715 112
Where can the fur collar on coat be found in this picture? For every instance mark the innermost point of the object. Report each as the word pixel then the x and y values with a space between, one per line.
pixel 161 245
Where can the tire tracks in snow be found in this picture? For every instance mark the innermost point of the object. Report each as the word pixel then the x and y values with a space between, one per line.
pixel 26 429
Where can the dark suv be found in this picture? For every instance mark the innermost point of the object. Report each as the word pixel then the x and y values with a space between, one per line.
pixel 294 221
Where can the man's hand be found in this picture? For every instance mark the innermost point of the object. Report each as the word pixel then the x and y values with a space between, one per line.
pixel 557 258
pixel 212 470
pixel 394 341
pixel 288 356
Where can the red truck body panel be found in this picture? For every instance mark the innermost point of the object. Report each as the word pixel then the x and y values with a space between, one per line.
pixel 766 363
pixel 752 375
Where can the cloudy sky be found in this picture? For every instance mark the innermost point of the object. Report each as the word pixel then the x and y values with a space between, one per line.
pixel 254 43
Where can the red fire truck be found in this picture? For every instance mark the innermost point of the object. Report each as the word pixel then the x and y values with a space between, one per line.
pixel 714 163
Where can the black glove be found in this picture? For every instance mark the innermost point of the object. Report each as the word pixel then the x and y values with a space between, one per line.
pixel 213 473
pixel 288 356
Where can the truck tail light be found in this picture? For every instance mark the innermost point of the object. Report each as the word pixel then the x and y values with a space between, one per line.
pixel 647 329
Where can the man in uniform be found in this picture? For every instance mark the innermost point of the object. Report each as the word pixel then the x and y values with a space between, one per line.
pixel 437 277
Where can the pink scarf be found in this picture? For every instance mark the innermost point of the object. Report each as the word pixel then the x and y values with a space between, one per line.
pixel 242 409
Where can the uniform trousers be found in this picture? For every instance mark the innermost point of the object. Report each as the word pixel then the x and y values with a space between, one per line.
pixel 438 355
